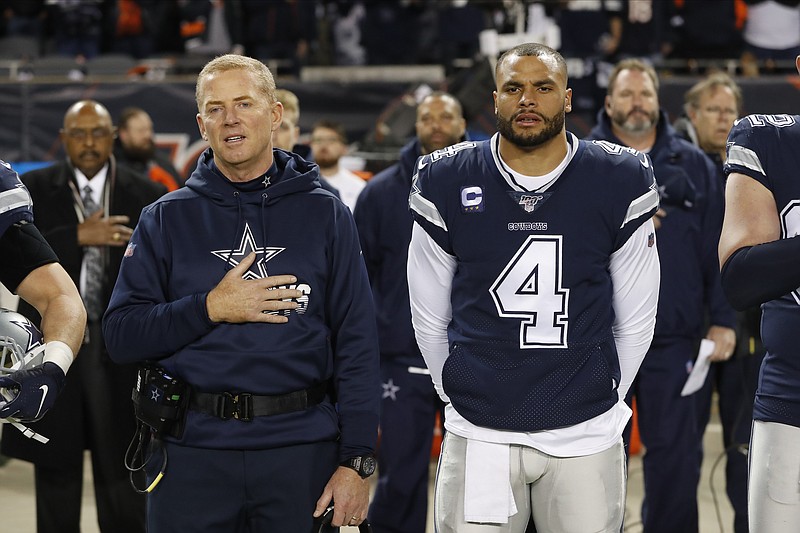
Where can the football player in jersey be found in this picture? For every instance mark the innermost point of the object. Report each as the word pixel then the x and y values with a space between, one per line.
pixel 31 270
pixel 533 278
pixel 759 251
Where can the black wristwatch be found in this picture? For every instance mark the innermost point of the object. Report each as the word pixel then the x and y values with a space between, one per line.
pixel 363 464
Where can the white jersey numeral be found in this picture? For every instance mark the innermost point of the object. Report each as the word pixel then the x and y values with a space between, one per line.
pixel 529 288
pixel 779 121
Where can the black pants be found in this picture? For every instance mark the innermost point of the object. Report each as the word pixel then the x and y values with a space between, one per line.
pixel 240 491
pixel 59 489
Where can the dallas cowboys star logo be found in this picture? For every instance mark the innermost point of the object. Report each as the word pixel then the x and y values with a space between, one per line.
pixel 390 390
pixel 155 394
pixel 33 339
pixel 247 245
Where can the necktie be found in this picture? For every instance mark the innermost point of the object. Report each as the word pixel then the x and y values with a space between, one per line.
pixel 93 263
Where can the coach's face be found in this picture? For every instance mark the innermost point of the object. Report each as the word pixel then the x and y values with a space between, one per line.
pixel 531 100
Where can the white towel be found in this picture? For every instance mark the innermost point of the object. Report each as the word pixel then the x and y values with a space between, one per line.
pixel 487 483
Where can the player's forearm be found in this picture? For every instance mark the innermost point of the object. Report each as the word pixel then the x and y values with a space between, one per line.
pixel 430 277
pixel 64 320
pixel 635 273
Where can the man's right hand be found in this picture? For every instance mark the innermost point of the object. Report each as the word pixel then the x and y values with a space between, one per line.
pixel 98 230
pixel 237 300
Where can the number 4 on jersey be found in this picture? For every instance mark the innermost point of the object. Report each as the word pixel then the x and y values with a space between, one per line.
pixel 529 288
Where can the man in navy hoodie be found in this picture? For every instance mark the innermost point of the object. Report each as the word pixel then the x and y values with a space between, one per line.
pixel 248 285
pixel 691 304
pixel 408 403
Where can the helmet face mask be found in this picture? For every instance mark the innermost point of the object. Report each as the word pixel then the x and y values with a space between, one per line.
pixel 18 338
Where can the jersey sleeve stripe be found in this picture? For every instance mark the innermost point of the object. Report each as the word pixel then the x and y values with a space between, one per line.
pixel 427 210
pixel 641 205
pixel 739 155
pixel 13 199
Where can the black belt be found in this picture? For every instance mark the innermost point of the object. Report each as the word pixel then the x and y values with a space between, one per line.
pixel 244 406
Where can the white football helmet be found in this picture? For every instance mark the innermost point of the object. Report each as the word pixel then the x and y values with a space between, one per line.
pixel 19 338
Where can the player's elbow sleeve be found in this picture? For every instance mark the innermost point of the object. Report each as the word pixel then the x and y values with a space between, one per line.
pixel 753 275
pixel 734 277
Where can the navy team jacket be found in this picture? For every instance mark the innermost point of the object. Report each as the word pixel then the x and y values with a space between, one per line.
pixel 182 247
pixel 691 294
pixel 384 226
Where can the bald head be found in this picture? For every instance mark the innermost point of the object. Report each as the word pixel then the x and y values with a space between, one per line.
pixel 440 122
pixel 88 136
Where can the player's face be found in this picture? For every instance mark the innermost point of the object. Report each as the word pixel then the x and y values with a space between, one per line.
pixel 238 121
pixel 327 146
pixel 88 138
pixel 439 124
pixel 633 104
pixel 714 117
pixel 531 100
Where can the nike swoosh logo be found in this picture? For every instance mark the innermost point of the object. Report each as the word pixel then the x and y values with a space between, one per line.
pixel 421 164
pixel 45 389
pixel 644 162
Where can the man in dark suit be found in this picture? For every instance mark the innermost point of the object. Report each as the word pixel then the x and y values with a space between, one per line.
pixel 85 206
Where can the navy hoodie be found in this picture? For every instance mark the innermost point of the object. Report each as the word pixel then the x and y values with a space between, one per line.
pixel 182 247
pixel 384 226
pixel 691 294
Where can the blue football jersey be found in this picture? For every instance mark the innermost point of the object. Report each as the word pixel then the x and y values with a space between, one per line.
pixel 15 200
pixel 531 344
pixel 767 148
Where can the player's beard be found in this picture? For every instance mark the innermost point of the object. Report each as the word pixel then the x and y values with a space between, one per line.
pixel 552 127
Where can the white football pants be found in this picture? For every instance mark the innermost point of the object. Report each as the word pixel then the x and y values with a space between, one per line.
pixel 564 494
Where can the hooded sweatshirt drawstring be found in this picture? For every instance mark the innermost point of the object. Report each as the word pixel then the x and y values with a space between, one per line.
pixel 264 198
pixel 295 175
pixel 239 218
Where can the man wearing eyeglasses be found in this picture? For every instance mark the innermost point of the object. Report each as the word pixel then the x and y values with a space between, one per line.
pixel 85 206
pixel 711 107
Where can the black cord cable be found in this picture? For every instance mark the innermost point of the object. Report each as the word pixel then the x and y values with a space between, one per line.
pixel 733 446
pixel 714 498
pixel 137 459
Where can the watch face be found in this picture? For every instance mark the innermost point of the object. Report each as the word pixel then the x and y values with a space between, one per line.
pixel 368 466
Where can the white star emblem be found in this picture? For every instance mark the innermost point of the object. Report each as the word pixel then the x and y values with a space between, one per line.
pixel 390 390
pixel 155 394
pixel 248 245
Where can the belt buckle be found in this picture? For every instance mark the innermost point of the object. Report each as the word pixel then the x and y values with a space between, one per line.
pixel 238 406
